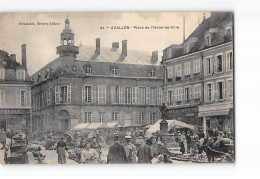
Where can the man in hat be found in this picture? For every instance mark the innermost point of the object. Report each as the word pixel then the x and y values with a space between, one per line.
pixel 130 150
pixel 116 153
pixel 145 153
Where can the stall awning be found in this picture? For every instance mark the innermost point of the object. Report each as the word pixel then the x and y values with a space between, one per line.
pixel 214 113
pixel 81 126
pixel 97 126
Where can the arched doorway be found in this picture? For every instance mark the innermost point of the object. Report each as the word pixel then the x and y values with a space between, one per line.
pixel 64 118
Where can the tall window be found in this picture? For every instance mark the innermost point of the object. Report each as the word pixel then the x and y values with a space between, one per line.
pixel 187 95
pixel 153 96
pixel 141 118
pixel 197 92
pixel 170 97
pixel 114 71
pixel 101 117
pixel 196 66
pixel 128 91
pixel 62 94
pixel 152 118
pixel 230 88
pixel 219 63
pixel 115 116
pixel 209 92
pixel 229 61
pixel 23 98
pixel 142 92
pixel 20 74
pixel 2 98
pixel 178 70
pixel 179 94
pixel 88 117
pixel 152 72
pixel 48 96
pixel 2 74
pixel 135 95
pixel 88 94
pixel 187 69
pixel 115 94
pixel 220 90
pixel 102 94
pixel 209 66
pixel 159 96
pixel 88 69
pixel 169 72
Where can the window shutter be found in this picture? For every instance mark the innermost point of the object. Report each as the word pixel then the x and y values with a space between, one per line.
pixel 205 66
pixel 173 97
pixel 215 62
pixel 227 61
pixel 148 95
pixel 182 94
pixel 133 96
pixel 18 98
pixel 215 96
pixel 113 94
pixel 104 94
pixel 28 100
pixel 225 88
pixel 69 94
pixel 93 94
pixel 191 94
pixel 224 59
pixel 137 95
pixel 83 93
pixel 57 95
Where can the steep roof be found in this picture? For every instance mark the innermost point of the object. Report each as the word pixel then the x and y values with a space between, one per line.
pixel 217 21
pixel 87 53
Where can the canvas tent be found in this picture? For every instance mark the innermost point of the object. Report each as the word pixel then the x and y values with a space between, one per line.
pixel 112 125
pixel 97 126
pixel 80 126
pixel 171 123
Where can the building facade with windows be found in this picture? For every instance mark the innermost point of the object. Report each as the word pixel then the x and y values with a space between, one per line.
pixel 15 92
pixel 199 75
pixel 97 84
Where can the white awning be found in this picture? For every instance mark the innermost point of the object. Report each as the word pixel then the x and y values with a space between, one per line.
pixel 81 126
pixel 214 113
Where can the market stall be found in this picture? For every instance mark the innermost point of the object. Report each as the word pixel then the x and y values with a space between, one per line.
pixel 80 126
pixel 171 124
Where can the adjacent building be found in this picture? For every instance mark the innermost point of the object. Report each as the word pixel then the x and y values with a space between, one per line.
pixel 199 75
pixel 96 84
pixel 15 92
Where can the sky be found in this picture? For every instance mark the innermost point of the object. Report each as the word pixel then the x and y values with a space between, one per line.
pixel 42 40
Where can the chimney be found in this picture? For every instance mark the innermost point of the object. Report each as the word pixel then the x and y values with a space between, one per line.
pixel 97 52
pixel 24 55
pixel 183 28
pixel 115 45
pixel 13 57
pixel 124 47
pixel 154 58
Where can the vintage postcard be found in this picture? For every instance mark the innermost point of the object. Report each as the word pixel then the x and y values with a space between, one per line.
pixel 117 88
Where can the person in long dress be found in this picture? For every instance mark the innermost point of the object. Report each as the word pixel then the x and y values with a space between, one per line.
pixel 89 155
pixel 61 151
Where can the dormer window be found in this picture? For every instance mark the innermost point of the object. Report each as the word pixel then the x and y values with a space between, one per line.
pixel 114 71
pixel 2 74
pixel 228 31
pixel 20 74
pixel 208 39
pixel 152 72
pixel 88 69
pixel 169 53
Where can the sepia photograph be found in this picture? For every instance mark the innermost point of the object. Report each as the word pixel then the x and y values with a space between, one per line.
pixel 117 87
